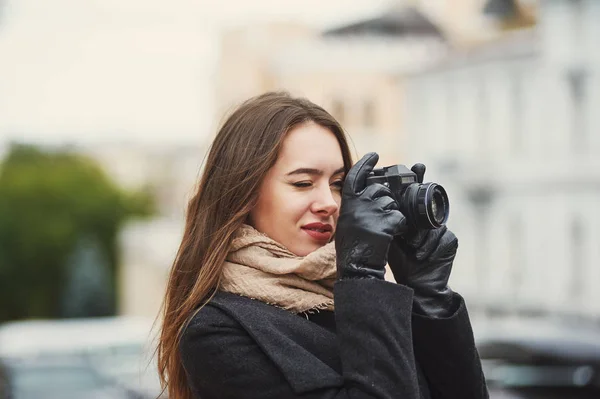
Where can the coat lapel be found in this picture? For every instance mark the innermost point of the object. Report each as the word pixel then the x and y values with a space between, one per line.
pixel 306 353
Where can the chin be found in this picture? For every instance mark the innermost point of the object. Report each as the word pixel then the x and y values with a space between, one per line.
pixel 304 250
pixel 301 252
pixel 312 248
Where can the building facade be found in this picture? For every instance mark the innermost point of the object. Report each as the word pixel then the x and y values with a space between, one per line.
pixel 363 72
pixel 510 129
pixel 350 70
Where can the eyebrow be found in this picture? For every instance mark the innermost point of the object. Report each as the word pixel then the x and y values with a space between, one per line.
pixel 311 171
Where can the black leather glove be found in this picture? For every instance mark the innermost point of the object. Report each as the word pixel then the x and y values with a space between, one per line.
pixel 422 260
pixel 369 218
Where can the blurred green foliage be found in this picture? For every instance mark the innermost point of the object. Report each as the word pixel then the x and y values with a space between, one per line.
pixel 49 202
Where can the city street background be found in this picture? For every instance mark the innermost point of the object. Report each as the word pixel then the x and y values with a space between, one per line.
pixel 107 109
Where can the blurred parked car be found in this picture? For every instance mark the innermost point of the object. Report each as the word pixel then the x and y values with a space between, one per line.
pixel 540 360
pixel 57 378
pixel 77 358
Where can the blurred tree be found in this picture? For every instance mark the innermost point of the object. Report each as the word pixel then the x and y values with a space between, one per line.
pixel 49 203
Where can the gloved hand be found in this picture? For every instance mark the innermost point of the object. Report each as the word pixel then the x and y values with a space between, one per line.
pixel 422 260
pixel 369 218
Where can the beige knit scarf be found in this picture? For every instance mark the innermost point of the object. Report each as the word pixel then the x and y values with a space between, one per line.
pixel 260 268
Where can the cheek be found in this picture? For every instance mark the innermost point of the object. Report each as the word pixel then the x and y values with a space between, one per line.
pixel 336 216
pixel 296 206
pixel 338 198
pixel 263 211
pixel 285 204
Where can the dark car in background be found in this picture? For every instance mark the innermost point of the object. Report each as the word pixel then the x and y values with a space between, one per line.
pixel 80 358
pixel 528 359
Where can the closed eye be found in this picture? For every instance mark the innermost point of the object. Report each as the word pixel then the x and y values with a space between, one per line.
pixel 338 184
pixel 302 184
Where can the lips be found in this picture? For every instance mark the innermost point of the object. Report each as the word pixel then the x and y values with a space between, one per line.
pixel 318 231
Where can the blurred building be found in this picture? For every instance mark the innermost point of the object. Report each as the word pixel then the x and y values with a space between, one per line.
pixel 510 129
pixel 351 70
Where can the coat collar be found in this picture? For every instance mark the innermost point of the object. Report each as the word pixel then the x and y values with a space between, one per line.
pixel 285 336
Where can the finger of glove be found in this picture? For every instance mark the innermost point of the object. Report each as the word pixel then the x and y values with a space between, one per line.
pixel 417 237
pixel 386 203
pixel 396 222
pixel 375 191
pixel 435 242
pixel 356 180
pixel 448 244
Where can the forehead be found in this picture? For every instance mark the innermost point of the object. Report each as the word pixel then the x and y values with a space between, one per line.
pixel 310 145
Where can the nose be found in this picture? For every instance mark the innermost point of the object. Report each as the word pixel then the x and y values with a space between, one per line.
pixel 325 202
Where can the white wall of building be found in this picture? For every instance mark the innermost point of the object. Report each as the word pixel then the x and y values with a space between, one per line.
pixel 504 118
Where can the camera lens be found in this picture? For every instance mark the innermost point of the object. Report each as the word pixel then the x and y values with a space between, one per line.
pixel 439 205
pixel 435 203
pixel 426 206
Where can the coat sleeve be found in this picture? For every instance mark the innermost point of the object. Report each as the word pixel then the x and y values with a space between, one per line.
pixel 445 350
pixel 374 333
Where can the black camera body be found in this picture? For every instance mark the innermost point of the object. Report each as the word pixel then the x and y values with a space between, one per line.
pixel 425 205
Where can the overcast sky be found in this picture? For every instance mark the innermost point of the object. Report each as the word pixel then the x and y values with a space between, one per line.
pixel 86 70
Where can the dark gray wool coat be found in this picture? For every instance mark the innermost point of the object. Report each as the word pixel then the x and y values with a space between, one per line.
pixel 239 348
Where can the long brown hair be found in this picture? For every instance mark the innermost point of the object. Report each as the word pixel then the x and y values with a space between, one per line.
pixel 244 149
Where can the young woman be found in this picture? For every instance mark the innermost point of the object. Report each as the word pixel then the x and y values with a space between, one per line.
pixel 278 287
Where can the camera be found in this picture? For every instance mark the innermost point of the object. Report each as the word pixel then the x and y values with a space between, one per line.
pixel 425 205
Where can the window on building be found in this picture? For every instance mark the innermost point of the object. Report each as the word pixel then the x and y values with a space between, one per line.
pixel 501 9
pixel 577 81
pixel 338 111
pixel 516 251
pixel 516 98
pixel 483 112
pixel 577 19
pixel 451 104
pixel 576 267
pixel 369 117
pixel 511 14
pixel 577 77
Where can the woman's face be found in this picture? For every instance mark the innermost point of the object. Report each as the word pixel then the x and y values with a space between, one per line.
pixel 299 199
